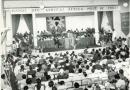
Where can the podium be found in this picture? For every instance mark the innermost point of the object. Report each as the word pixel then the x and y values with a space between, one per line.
pixel 67 43
pixel 70 41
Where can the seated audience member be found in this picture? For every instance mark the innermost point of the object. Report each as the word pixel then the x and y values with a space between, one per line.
pixel 46 77
pixel 29 84
pixel 33 78
pixel 97 56
pixel 42 60
pixel 89 86
pixel 121 74
pixel 93 51
pixel 31 72
pixel 38 85
pixel 61 85
pixel 22 82
pixel 71 68
pixel 85 74
pixel 4 85
pixel 76 86
pixel 111 74
pixel 80 70
pixel 51 86
pixel 97 66
pixel 39 74
pixel 88 70
pixel 22 68
pixel 97 87
pixel 120 84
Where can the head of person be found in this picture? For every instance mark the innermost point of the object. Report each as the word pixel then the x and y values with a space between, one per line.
pixel 61 83
pixel 38 81
pixel 97 51
pixel 25 88
pixel 22 67
pixel 28 81
pixel 92 70
pixel 49 54
pixel 13 42
pixel 30 67
pixel 85 74
pixel 117 77
pixel 76 85
pixel 121 72
pixel 77 66
pixel 33 75
pixel 3 76
pixel 93 49
pixel 87 67
pixel 51 84
pixel 89 85
pixel 23 76
pixel 80 70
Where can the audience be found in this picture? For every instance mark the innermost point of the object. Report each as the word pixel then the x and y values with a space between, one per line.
pixel 39 70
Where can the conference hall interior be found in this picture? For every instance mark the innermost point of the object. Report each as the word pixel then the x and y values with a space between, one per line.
pixel 65 44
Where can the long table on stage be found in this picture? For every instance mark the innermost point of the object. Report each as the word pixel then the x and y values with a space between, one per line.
pixel 66 43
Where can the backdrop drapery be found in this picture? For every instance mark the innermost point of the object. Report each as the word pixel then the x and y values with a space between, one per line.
pixel 15 23
pixel 100 17
pixel 110 18
pixel 28 20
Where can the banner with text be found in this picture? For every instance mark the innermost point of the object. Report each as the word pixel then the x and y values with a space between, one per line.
pixel 125 22
pixel 62 9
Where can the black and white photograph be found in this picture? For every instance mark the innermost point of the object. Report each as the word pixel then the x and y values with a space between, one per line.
pixel 65 44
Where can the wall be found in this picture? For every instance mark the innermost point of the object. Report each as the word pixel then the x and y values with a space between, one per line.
pixel 79 22
pixel 117 24
pixel 56 3
pixel 73 20
pixel 117 19
pixel 40 23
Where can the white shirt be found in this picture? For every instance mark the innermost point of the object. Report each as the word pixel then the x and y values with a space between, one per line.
pixel 14 46
pixel 22 83
pixel 88 71
pixel 120 84
pixel 52 66
pixel 61 71
pixel 16 70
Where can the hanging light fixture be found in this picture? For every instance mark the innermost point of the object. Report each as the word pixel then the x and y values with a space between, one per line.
pixel 42 6
pixel 125 4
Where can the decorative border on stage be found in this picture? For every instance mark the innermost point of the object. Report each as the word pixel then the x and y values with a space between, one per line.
pixel 62 9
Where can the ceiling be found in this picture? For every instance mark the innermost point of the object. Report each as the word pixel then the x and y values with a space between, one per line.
pixel 56 3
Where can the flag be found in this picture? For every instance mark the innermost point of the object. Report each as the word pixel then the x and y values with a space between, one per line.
pixel 4 35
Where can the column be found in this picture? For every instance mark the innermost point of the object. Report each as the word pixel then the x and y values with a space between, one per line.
pixel 117 24
pixel 34 29
pixel 2 47
pixel 96 27
pixel 8 23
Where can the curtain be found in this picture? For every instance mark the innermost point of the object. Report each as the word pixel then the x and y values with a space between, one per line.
pixel 100 17
pixel 28 20
pixel 15 23
pixel 110 18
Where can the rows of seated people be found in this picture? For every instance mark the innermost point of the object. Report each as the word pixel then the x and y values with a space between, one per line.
pixel 35 72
